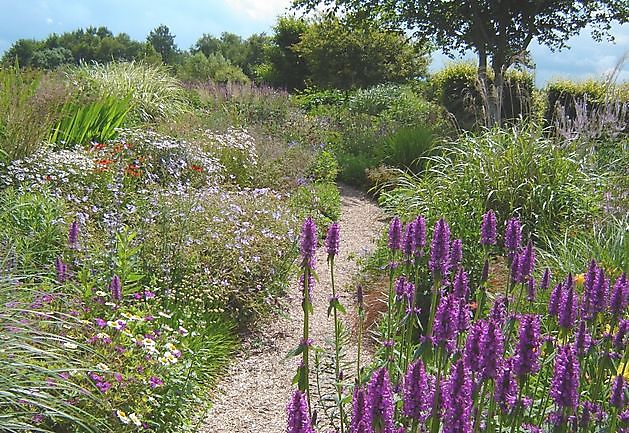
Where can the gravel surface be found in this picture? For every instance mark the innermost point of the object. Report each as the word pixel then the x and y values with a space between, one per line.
pixel 253 395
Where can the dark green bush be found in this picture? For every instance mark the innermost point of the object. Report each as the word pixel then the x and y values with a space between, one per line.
pixel 406 146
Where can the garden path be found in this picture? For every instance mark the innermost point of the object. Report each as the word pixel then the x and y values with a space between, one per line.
pixel 253 395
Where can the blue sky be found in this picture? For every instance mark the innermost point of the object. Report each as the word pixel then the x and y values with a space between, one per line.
pixel 189 19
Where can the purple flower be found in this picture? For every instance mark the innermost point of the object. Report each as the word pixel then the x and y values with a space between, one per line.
pixel 457 400
pixel 555 298
pixel 485 272
pixel 492 349
pixel 446 322
pixel 420 235
pixel 308 243
pixel 513 235
pixel 460 287
pixel 531 291
pixel 506 390
pixel 488 229
pixel 473 349
pixel 332 240
pixel 599 294
pixel 617 398
pixel 526 358
pixel 61 270
pixel 103 386
pixel 298 415
pixel 587 410
pixel 463 316
pixel 404 290
pixel 440 249
pixel 409 239
pixel 516 274
pixel 380 402
pixel 623 331
pixel 417 392
pixel 395 234
pixel 568 305
pixel 100 322
pixel 155 382
pixel 498 312
pixel 582 340
pixel 359 411
pixel 545 283
pixel 456 253
pixel 527 260
pixel 564 386
pixel 620 293
pixel 73 234
pixel 115 288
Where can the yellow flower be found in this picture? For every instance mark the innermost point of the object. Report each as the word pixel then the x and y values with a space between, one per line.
pixel 579 279
pixel 623 369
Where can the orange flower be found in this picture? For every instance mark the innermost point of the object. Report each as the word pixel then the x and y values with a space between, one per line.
pixel 118 148
pixel 196 167
pixel 104 162
pixel 98 146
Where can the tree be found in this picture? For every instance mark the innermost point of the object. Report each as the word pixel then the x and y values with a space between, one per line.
pixel 164 43
pixel 343 58
pixel 500 32
pixel 286 68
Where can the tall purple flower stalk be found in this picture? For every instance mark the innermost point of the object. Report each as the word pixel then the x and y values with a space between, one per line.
pixel 492 349
pixel 506 389
pixel 513 235
pixel 417 392
pixel 308 243
pixel 359 410
pixel 617 398
pixel 488 229
pixel 395 234
pixel 420 235
pixel 564 386
pixel 544 284
pixel 73 235
pixel 527 260
pixel 526 358
pixel 409 240
pixel 555 299
pixel 380 402
pixel 115 287
pixel 62 270
pixel 298 414
pixel 620 293
pixel 440 249
pixel 498 312
pixel 531 291
pixel 456 253
pixel 568 304
pixel 473 349
pixel 446 322
pixel 332 240
pixel 460 286
pixel 620 337
pixel 457 400
pixel 582 340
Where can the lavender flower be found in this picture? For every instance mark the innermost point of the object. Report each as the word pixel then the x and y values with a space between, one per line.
pixel 599 293
pixel 620 293
pixel 457 400
pixel 420 235
pixel 617 398
pixel 587 410
pixel 395 234
pixel 498 312
pixel 623 331
pixel 485 272
pixel 473 349
pixel 463 317
pixel 308 243
pixel 440 249
pixel 582 340
pixel 545 283
pixel 404 290
pixel 527 260
pixel 526 358
pixel 416 391
pixel 380 402
pixel 492 348
pixel 456 253
pixel 115 288
pixel 446 322
pixel 513 235
pixel 73 234
pixel 555 298
pixel 516 274
pixel 62 270
pixel 568 305
pixel 564 386
pixel 460 287
pixel 506 390
pixel 531 291
pixel 332 240
pixel 298 415
pixel 488 229
pixel 409 239
pixel 359 410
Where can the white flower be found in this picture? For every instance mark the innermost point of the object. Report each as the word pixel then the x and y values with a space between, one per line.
pixel 69 345
pixel 135 420
pixel 123 417
pixel 102 367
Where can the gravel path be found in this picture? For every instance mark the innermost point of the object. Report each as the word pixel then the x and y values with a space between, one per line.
pixel 254 393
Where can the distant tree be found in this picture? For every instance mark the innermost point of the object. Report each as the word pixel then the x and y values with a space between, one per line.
pixel 207 44
pixel 245 54
pixel 215 67
pixel 51 58
pixel 286 68
pixel 500 32
pixel 344 58
pixel 22 52
pixel 257 48
pixel 164 43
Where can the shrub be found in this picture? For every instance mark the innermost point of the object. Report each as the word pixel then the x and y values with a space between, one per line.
pixel 324 168
pixel 354 168
pixel 154 92
pixel 406 147
pixel 320 200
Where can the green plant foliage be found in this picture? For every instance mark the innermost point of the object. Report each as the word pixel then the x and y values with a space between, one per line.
pixel 321 201
pixel 95 121
pixel 215 67
pixel 324 168
pixel 406 147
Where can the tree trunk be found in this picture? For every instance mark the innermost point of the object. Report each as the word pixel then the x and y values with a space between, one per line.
pixel 484 85
pixel 497 91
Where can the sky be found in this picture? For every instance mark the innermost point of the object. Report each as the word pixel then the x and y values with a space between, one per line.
pixel 189 19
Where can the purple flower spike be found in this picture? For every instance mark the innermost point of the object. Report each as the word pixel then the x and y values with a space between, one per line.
pixel 359 410
pixel 527 260
pixel 513 235
pixel 555 298
pixel 417 392
pixel 617 398
pixel 395 234
pixel 115 287
pixel 446 322
pixel 73 235
pixel 531 292
pixel 460 287
pixel 516 274
pixel 420 235
pixel 473 349
pixel 582 340
pixel 545 282
pixel 409 239
pixel 456 253
pixel 298 415
pixel 485 272
pixel 620 293
pixel 526 359
pixel 308 244
pixel 492 348
pixel 568 305
pixel 457 400
pixel 498 311
pixel 506 391
pixel 62 270
pixel 564 386
pixel 440 249
pixel 623 330
pixel 380 401
pixel 488 229
pixel 332 240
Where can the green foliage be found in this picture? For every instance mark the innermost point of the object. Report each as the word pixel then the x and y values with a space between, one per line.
pixel 320 200
pixel 324 168
pixel 93 121
pixel 214 68
pixel 406 148
pixel 354 168
pixel 286 68
pixel 154 93
pixel 311 98
pixel 342 58
pixel 163 42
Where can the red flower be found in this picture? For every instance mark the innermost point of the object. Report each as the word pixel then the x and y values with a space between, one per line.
pixel 196 167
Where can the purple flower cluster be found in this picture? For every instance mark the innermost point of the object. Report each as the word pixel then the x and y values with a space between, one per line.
pixel 564 386
pixel 298 414
pixel 492 349
pixel 460 286
pixel 544 284
pixel 115 287
pixel 446 322
pixel 409 241
pixel 395 234
pixel 308 243
pixel 617 398
pixel 333 239
pixel 595 290
pixel 506 390
pixel 73 235
pixel 618 301
pixel 380 402
pixel 62 271
pixel 457 400
pixel 420 235
pixel 404 290
pixel 513 235
pixel 488 229
pixel 456 254
pixel 359 411
pixel 526 358
pixel 417 392
pixel 582 339
pixel 440 249
pixel 568 304
pixel 473 349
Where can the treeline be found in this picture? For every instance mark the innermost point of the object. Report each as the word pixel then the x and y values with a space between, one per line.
pixel 299 53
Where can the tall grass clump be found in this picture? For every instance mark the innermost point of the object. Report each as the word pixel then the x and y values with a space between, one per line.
pixel 155 94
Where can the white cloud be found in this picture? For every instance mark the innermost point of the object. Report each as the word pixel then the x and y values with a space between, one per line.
pixel 49 21
pixel 259 10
